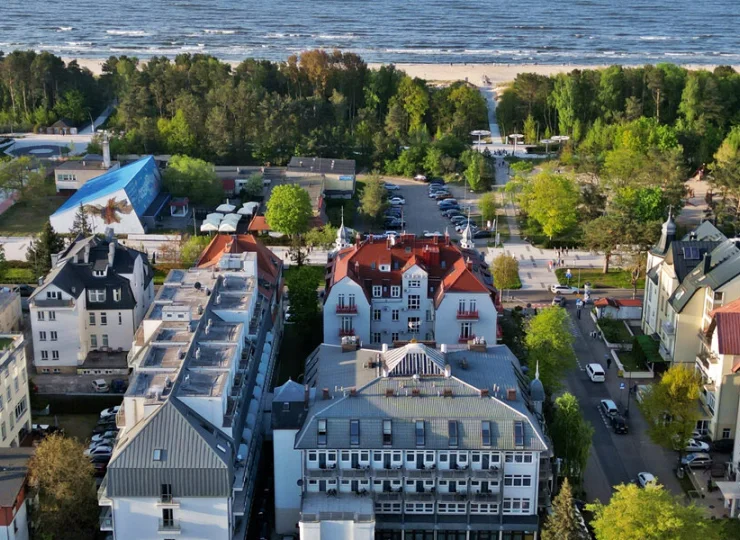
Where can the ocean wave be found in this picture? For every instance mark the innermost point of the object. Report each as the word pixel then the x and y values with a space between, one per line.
pixel 278 35
pixel 132 33
pixel 655 38
pixel 64 28
pixel 335 36
pixel 219 32
pixel 79 43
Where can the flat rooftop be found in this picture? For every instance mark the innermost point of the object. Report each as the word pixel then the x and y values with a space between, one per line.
pixel 163 357
pixel 220 331
pixel 202 384
pixel 213 356
pixel 173 332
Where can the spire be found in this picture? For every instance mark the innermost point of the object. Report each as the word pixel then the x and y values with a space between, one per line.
pixel 667 234
pixel 342 235
pixel 537 372
pixel 467 236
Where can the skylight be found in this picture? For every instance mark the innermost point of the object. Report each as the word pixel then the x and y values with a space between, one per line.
pixel 486 433
pixel 452 431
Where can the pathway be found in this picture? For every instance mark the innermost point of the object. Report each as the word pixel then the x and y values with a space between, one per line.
pixel 99 121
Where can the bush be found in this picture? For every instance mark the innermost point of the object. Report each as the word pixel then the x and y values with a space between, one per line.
pixel 645 349
pixel 614 330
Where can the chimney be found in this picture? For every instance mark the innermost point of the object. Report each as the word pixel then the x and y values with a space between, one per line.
pixel 306 396
pixel 106 151
pixel 54 259
pixel 511 394
pixel 435 239
pixel 443 348
pixel 389 392
pixel 87 253
pixel 197 353
pixel 111 253
pixel 448 371
pixel 484 392
pixel 84 163
pixel 384 348
pixel 325 393
pixel 447 237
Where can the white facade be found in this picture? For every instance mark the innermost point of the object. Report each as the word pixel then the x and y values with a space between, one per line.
pixel 461 317
pixel 288 473
pixel 18 528
pixel 15 403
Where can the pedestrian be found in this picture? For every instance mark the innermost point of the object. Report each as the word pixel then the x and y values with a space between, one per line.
pixel 608 362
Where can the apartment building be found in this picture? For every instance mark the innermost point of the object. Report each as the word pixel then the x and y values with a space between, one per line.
pixel 84 315
pixel 412 442
pixel 15 402
pixel 187 456
pixel 14 516
pixel 397 290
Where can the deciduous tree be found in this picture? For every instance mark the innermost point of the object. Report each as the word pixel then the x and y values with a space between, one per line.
pixel 321 237
pixel 571 434
pixel 551 200
pixel 253 188
pixel 505 270
pixel 550 342
pixel 289 209
pixel 487 206
pixel 304 307
pixel 373 199
pixel 191 250
pixel 193 178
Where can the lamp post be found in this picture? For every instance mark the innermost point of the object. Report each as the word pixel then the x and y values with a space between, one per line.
pixel 547 143
pixel 515 137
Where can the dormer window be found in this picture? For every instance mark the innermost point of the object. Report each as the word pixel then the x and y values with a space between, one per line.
pixel 486 433
pixel 387 432
pixel 452 432
pixel 158 454
pixel 56 295
pixel 385 267
pixel 321 440
pixel 101 273
pixel 354 432
pixel 419 433
pixel 117 295
pixel 96 295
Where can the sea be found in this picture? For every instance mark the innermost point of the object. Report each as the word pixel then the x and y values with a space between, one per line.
pixel 388 31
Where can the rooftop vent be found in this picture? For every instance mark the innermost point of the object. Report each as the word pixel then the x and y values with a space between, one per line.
pixel 353 392
pixel 463 363
pixel 484 392
pixel 325 393
pixel 389 392
pixel 447 392
pixel 415 392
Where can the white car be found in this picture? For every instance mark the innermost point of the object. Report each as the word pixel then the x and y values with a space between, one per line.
pixel 563 289
pixel 696 446
pixel 110 411
pixel 397 201
pixel 428 234
pixel 96 439
pixel 596 373
pixel 391 187
pixel 390 234
pixel 101 450
pixel 644 478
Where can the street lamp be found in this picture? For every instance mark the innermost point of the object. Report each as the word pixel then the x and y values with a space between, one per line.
pixel 480 133
pixel 515 137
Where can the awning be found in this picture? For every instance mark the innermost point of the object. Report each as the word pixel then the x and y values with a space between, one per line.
pixel 226 207
pixel 215 216
pixel 209 226
pixel 730 490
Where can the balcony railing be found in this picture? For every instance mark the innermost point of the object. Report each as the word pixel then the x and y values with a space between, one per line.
pixel 106 519
pixel 706 359
pixel 167 500
pixel 669 328
pixel 465 339
pixel 467 315
pixel 121 418
pixel 169 525
pixel 343 332
pixel 344 310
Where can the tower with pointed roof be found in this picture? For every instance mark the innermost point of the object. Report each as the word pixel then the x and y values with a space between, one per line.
pixel 667 235
pixel 537 391
pixel 342 236
pixel 466 242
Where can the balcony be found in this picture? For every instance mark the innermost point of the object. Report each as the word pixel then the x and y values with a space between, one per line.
pixel 420 473
pixel 485 474
pixel 168 501
pixel 387 496
pixel 489 496
pixel 169 526
pixel 387 473
pixel 322 473
pixel 420 497
pixel 345 333
pixel 664 354
pixel 121 418
pixel 106 519
pixel 460 496
pixel 706 359
pixel 356 473
pixel 347 310
pixel 669 328
pixel 468 315
pixel 103 499
pixel 465 339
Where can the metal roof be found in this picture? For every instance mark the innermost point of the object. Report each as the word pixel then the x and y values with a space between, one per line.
pixel 319 165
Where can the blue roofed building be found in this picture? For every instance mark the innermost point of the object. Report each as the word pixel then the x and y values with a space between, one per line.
pixel 127 200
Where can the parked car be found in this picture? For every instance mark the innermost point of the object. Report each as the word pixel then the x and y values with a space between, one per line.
pixel 100 464
pixel 723 445
pixel 443 195
pixel 110 411
pixel 436 182
pixel 644 478
pixel 596 373
pixel 448 204
pixel 101 450
pixel 394 223
pixel 99 385
pixel 397 201
pixel 563 289
pixel 697 460
pixel 696 446
pixel 104 428
pixel 118 386
pixel 431 234
pixel 559 301
pixel 105 435
pixel 619 424
pixel 24 290
pixel 482 234
pixel 391 187
pixel 450 213
pixel 609 408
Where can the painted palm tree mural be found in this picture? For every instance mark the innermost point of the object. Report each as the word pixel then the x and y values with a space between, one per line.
pixel 110 212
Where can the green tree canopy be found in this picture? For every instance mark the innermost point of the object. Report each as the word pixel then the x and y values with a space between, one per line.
pixel 253 188
pixel 571 434
pixel 193 178
pixel 321 237
pixel 373 199
pixel 552 201
pixel 487 206
pixel 651 513
pixel 61 480
pixel 563 523
pixel 505 270
pixel 81 224
pixel 39 253
pixel 192 248
pixel 304 307
pixel 289 209
pixel 550 343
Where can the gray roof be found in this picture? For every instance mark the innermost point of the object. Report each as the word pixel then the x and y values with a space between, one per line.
pixel 439 400
pixel 196 458
pixel 715 269
pixel 288 409
pixel 705 231
pixel 319 165
pixel 13 471
pixel 682 266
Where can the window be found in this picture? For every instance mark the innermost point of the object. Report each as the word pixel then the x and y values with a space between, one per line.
pixel 518 434
pixel 430 315
pixel 414 283
pixel 461 306
pixel 101 273
pixel 351 299
pixel 96 295
pixel 340 300
pixel 4 430
pixel 117 295
pixel 414 323
pixel 726 433
pixel 20 409
pixel 516 506
pixel 93 341
pixel 452 432
pixel 517 480
pixel 394 315
pixel 413 301
pixel 40 316
pixel 15 383
pixel 103 319
pixel 394 336
pixel 1 402
pixel 486 433
pixel 44 355
pixel 377 291
pixel 55 355
pixel 92 318
pixel 168 517
pixel 466 330
pixel 387 432
pixel 166 493
pixel 375 338
pixel 312 456
pixel 322 432
pixel 66 177
pixel 120 319
pixel 54 335
pixel 158 454
pixel 395 291
pixel 354 432
pixel 105 340
pixel 376 314
pixel 347 324
pixel 420 433
pixel 52 315
pixel 53 294
pixel 42 336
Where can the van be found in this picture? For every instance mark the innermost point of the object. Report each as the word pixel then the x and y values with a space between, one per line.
pixel 609 408
pixel 596 373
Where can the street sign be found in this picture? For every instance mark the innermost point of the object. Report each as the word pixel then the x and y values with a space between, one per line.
pixel 568 274
pixel 621 386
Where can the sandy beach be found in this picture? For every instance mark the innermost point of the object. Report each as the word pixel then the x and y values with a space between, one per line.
pixel 497 74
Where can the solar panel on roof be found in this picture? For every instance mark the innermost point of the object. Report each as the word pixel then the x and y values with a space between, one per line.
pixel 691 253
pixel 519 434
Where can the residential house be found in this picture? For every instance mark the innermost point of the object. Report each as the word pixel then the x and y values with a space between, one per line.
pixel 15 403
pixel 411 442
pixel 13 507
pixel 626 309
pixel 73 174
pixel 11 315
pixel 84 315
pixel 396 290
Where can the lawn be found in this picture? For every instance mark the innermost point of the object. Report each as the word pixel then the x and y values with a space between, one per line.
pixel 614 330
pixel 79 426
pixel 25 219
pixel 5 342
pixel 17 275
pixel 615 279
pixel 630 361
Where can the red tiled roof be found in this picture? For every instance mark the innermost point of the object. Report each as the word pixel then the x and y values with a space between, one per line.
pixel 445 264
pixel 618 302
pixel 268 264
pixel 259 224
pixel 726 322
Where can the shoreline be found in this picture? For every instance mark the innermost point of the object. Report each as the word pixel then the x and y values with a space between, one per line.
pixel 498 74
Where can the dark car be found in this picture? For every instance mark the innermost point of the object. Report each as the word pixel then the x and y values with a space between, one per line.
pixel 619 424
pixel 24 290
pixel 107 426
pixel 118 386
pixel 440 196
pixel 482 234
pixel 100 464
pixel 722 445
